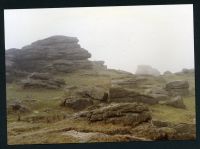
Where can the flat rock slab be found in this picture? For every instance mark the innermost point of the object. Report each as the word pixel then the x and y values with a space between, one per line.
pixel 119 113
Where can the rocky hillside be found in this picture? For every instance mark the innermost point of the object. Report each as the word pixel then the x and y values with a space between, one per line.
pixel 56 95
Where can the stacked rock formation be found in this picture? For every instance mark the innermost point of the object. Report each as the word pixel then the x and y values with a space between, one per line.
pixel 53 54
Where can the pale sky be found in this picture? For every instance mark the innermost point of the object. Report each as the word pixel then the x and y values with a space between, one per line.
pixel 122 36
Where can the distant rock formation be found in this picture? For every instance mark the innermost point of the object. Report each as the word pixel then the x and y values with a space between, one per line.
pixel 99 65
pixel 53 54
pixel 185 71
pixel 167 73
pixel 147 70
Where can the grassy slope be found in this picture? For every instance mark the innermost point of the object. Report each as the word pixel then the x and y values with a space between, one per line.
pixel 49 99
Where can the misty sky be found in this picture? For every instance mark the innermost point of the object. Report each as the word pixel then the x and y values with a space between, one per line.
pixel 124 37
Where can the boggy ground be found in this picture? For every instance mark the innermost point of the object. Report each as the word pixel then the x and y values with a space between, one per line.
pixel 47 122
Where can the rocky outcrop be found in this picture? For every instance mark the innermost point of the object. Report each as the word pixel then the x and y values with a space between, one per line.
pixel 130 114
pixel 53 54
pixel 42 80
pixel 178 88
pixel 147 70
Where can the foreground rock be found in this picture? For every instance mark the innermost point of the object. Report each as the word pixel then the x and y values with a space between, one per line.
pixel 42 80
pixel 130 114
pixel 83 137
pixel 53 54
pixel 178 88
pixel 147 70
pixel 163 130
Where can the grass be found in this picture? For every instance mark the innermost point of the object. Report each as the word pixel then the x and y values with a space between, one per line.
pixel 77 79
pixel 40 133
pixel 43 133
pixel 175 115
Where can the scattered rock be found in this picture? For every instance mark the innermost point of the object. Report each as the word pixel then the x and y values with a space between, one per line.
pixel 78 103
pixel 163 130
pixel 185 131
pixel 17 106
pixel 163 133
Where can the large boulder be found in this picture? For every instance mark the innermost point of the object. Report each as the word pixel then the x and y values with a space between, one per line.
pixel 119 113
pixel 119 94
pixel 178 87
pixel 176 102
pixel 147 70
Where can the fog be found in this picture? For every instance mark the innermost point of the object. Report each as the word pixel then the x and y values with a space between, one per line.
pixel 123 37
